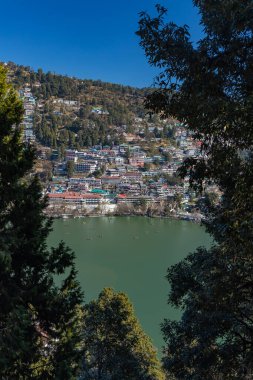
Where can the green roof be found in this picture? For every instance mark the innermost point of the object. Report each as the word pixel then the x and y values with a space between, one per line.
pixel 98 191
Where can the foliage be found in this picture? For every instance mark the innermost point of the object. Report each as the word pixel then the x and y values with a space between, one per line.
pixel 178 200
pixel 173 180
pixel 146 167
pixel 70 167
pixel 208 87
pixel 79 125
pixel 39 321
pixel 115 345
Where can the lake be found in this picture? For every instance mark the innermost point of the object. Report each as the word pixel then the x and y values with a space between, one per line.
pixel 130 254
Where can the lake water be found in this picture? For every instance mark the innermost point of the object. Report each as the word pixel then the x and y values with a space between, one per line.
pixel 130 254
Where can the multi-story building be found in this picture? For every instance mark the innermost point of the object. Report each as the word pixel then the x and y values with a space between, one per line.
pixel 73 198
pixel 86 166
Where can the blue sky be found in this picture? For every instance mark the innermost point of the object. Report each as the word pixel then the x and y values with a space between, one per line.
pixel 92 39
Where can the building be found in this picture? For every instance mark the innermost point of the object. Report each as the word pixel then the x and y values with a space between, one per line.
pixel 73 198
pixel 133 176
pixel 86 166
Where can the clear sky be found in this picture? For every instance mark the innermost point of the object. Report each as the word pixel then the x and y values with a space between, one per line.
pixel 92 39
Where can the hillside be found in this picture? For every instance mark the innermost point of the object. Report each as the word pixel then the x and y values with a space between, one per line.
pixel 98 135
pixel 76 113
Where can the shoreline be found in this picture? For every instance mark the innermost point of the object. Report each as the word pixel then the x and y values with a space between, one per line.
pixel 189 218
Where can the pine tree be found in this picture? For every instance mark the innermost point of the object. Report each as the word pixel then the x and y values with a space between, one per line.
pixel 115 345
pixel 208 87
pixel 39 321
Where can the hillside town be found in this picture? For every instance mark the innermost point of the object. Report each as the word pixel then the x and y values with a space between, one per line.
pixel 136 177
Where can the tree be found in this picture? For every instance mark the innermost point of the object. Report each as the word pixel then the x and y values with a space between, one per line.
pixel 39 321
pixel 207 201
pixel 156 161
pixel 143 203
pixel 70 167
pixel 127 153
pixel 207 86
pixel 146 167
pixel 99 172
pixel 178 198
pixel 115 345
pixel 173 180
pixel 168 207
pixel 167 156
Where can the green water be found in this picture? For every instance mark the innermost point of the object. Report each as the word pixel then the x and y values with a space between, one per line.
pixel 130 254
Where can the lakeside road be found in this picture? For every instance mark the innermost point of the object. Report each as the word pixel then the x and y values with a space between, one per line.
pixel 130 254
pixel 72 213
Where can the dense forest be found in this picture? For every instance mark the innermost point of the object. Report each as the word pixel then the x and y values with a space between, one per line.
pixel 76 113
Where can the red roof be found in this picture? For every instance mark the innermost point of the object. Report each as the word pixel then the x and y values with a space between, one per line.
pixel 73 195
pixel 121 195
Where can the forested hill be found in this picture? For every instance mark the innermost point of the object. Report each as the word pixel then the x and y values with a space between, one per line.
pixel 72 112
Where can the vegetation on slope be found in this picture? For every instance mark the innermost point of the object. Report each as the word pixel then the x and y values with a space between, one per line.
pixel 98 112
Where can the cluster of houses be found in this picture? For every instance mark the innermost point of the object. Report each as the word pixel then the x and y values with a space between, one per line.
pixel 106 177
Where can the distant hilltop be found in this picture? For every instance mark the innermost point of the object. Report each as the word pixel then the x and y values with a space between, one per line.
pixel 48 84
pixel 72 112
pixel 63 114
